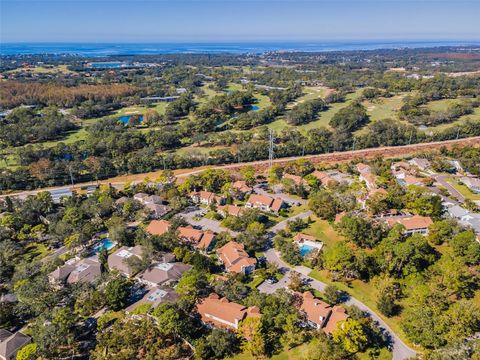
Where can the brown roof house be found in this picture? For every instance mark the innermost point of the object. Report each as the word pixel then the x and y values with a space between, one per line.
pixel 220 312
pixel 118 260
pixel 297 180
pixel 321 315
pixel 163 273
pixel 11 344
pixel 240 189
pixel 324 177
pixel 235 259
pixel 413 225
pixel 207 198
pixel 230 210
pixel 158 227
pixel 264 203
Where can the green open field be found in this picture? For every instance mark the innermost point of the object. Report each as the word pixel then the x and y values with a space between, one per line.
pixel 299 352
pixel 463 189
pixel 323 231
pixel 43 70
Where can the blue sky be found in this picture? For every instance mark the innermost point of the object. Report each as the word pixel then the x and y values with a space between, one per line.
pixel 237 20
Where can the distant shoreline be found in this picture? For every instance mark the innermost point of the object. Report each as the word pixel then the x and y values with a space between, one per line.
pixel 116 49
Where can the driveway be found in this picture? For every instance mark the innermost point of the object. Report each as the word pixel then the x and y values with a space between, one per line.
pixel 206 224
pixel 285 197
pixel 441 179
pixel 283 224
pixel 399 349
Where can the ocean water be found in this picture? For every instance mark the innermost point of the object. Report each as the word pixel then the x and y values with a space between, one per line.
pixel 105 49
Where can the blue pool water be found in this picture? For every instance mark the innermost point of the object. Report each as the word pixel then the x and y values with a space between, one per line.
pixel 305 249
pixel 106 244
pixel 125 118
pixel 254 108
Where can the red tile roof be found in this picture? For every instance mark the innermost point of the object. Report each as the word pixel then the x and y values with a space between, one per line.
pixel 158 227
pixel 234 257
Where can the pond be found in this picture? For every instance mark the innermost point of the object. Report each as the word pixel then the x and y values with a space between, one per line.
pixel 107 65
pixel 254 108
pixel 126 118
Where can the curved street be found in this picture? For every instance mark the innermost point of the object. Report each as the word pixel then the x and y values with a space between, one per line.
pixel 400 350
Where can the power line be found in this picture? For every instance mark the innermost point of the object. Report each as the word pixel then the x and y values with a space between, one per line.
pixel 271 140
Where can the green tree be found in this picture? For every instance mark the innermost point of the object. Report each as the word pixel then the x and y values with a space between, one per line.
pixel 252 338
pixel 117 292
pixel 351 335
pixel 27 352
pixel 332 294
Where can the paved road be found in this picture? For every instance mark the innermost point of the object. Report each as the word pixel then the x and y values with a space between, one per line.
pixel 341 156
pixel 205 224
pixel 442 180
pixel 283 224
pixel 399 349
pixel 285 197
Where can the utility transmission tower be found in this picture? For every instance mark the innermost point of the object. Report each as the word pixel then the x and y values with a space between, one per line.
pixel 271 140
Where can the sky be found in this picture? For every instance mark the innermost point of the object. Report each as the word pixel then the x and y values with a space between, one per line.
pixel 237 20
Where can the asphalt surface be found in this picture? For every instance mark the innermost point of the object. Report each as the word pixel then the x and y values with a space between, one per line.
pixel 205 224
pixel 400 351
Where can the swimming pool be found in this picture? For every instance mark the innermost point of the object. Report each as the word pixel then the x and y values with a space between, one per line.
pixel 106 244
pixel 306 249
pixel 254 108
pixel 126 118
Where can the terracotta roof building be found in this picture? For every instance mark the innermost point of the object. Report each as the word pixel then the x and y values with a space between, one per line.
pixel 241 188
pixel 264 203
pixel 321 315
pixel 158 227
pixel 220 312
pixel 323 177
pixel 297 180
pixel 304 237
pixel 207 198
pixel 317 311
pixel 231 210
pixel 235 259
pixel 413 225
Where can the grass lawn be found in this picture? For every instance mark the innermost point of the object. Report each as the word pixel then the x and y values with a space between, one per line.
pixel 366 293
pixel 299 352
pixel 43 70
pixel 463 189
pixel 311 92
pixel 323 231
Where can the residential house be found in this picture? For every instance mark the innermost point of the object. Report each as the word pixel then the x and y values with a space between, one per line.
pixel 369 179
pixel 317 311
pixel 413 225
pixel 297 180
pixel 86 270
pixel 422 164
pixel 472 183
pixel 301 238
pixel 59 276
pixel 235 259
pixel 324 177
pixel 337 316
pixel 158 210
pixel 163 273
pixel 363 168
pixel 264 203
pixel 240 189
pixel 220 312
pixel 158 227
pixel 118 260
pixel 207 198
pixel 11 344
pixel 155 296
pixel 202 240
pixel 230 210
pixel 321 315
